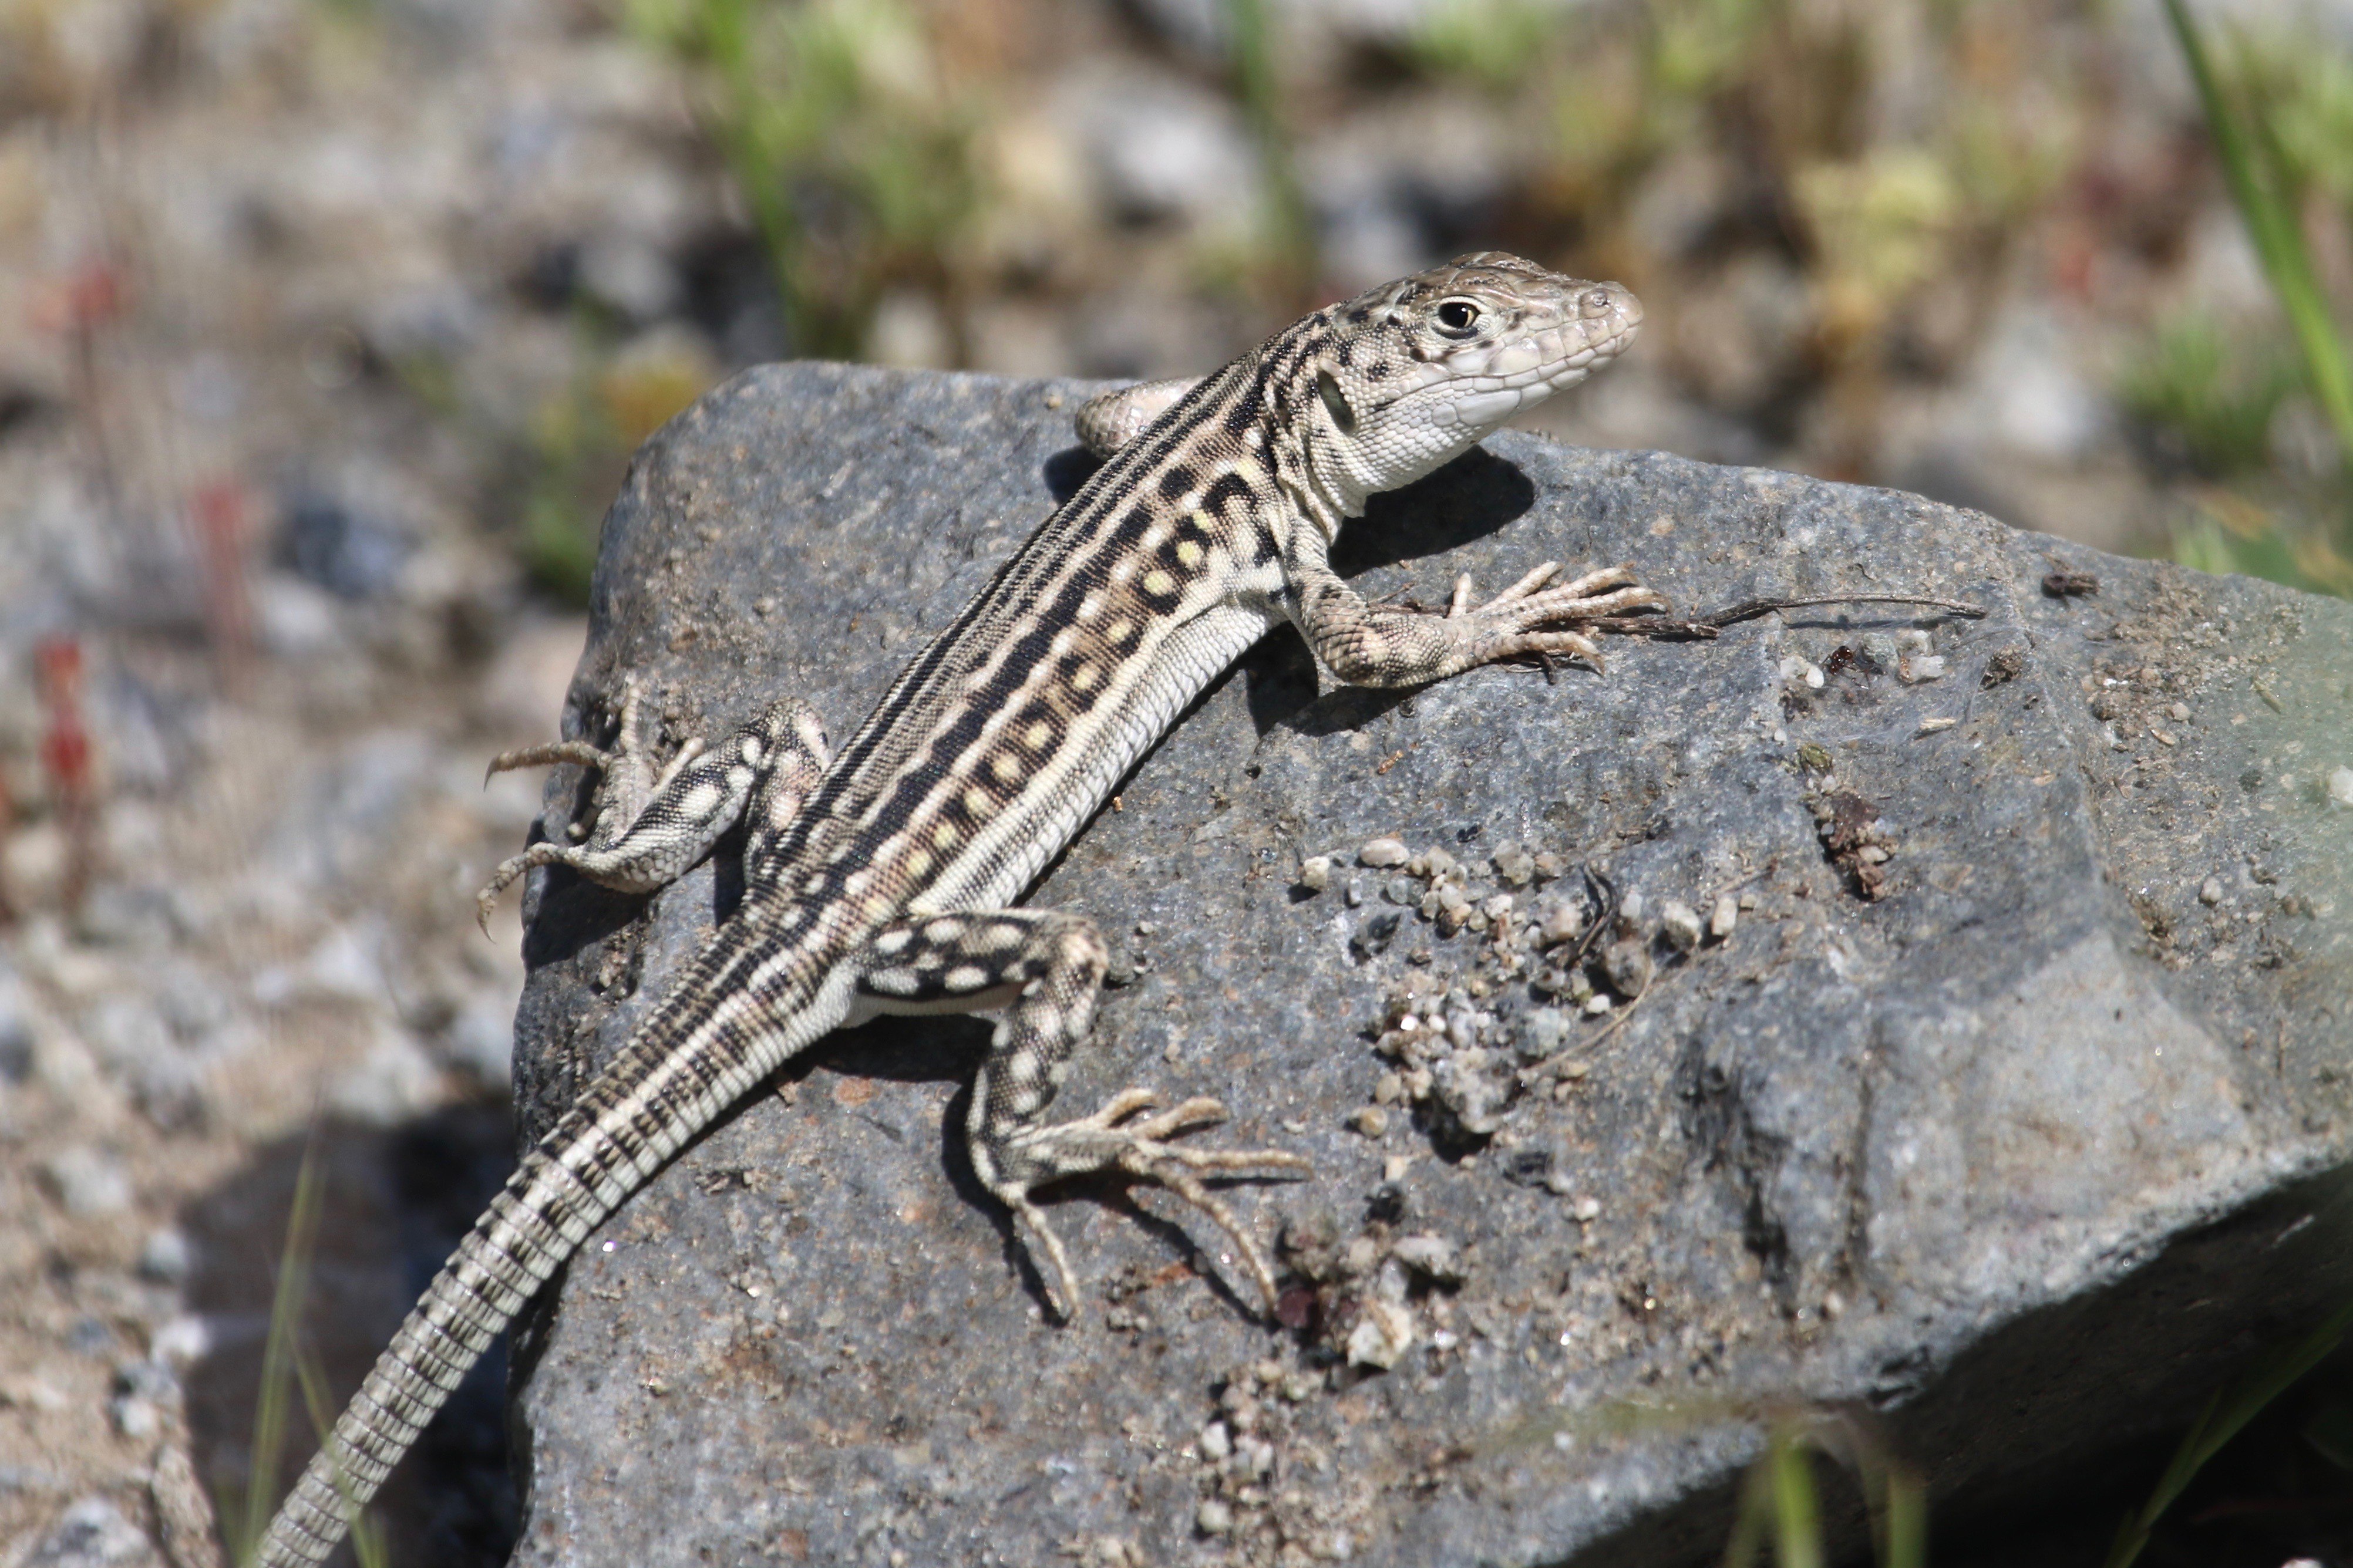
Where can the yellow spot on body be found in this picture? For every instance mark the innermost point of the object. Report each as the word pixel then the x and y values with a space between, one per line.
pixel 1189 552
pixel 918 861
pixel 1007 768
pixel 1119 631
pixel 1084 678
pixel 1036 735
pixel 1202 520
pixel 945 834
pixel 1090 606
pixel 976 801
pixel 1157 582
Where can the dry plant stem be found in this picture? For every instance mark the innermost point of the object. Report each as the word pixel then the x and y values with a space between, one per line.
pixel 1702 628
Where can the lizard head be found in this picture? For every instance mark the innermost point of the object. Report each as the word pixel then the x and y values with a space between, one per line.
pixel 1414 373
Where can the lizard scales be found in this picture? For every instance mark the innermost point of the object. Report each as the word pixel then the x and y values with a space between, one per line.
pixel 880 879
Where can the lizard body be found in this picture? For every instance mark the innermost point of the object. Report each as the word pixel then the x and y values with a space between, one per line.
pixel 881 878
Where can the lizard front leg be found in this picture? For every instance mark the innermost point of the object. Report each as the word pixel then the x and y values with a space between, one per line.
pixel 1376 644
pixel 1041 972
pixel 650 827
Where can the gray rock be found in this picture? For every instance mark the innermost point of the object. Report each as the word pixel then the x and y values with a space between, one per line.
pixel 1960 1151
pixel 88 1182
pixel 94 1534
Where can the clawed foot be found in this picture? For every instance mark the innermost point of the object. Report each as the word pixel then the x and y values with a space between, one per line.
pixel 1528 611
pixel 1111 1140
pixel 626 781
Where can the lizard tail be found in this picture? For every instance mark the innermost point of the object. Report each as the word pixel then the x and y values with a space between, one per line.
pixel 511 1250
pixel 668 1084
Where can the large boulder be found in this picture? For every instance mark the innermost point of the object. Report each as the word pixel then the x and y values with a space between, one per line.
pixel 2006 1107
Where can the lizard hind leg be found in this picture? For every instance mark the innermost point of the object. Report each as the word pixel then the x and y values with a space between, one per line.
pixel 1042 970
pixel 647 834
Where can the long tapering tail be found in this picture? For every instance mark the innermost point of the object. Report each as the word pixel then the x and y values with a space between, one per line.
pixel 705 1048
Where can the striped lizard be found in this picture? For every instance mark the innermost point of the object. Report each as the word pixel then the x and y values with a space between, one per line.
pixel 880 877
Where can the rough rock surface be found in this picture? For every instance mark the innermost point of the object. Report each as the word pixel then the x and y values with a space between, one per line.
pixel 2013 1106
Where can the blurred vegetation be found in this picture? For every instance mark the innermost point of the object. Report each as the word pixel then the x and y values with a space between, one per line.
pixel 1779 1501
pixel 1769 103
pixel 2280 116
pixel 851 147
pixel 2232 1408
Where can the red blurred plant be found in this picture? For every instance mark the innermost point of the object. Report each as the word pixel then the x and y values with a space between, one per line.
pixel 219 511
pixel 66 759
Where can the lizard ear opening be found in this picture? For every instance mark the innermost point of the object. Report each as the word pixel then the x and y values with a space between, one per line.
pixel 1336 403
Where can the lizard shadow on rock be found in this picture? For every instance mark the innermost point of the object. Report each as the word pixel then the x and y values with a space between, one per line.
pixel 950 1049
pixel 1476 495
pixel 1067 470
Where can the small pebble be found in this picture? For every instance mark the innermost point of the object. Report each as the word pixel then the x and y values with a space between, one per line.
pixel 1439 862
pixel 1547 1032
pixel 1722 919
pixel 1383 853
pixel 88 1182
pixel 1801 670
pixel 1629 908
pixel 1586 1210
pixel 2340 788
pixel 1596 1005
pixel 1497 906
pixel 1381 1336
pixel 1627 963
pixel 1914 641
pixel 1432 1256
pixel 1558 921
pixel 2180 711
pixel 1920 667
pixel 1216 1442
pixel 1355 896
pixel 1371 1121
pixel 1879 647
pixel 1680 923
pixel 1386 1089
pixel 166 1258
pixel 2210 891
pixel 1548 866
pixel 1513 865
pixel 1315 873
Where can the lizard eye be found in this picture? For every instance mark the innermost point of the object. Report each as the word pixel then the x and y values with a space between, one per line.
pixel 1458 317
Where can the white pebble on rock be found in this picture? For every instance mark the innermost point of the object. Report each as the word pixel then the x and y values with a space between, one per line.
pixel 1723 917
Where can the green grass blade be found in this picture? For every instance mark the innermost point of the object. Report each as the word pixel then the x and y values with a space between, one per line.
pixel 1756 1515
pixel 2230 1408
pixel 1796 1511
pixel 1903 1520
pixel 367 1535
pixel 278 1356
pixel 1290 228
pixel 2274 227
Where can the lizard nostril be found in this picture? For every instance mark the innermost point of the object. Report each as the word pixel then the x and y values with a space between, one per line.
pixel 1597 301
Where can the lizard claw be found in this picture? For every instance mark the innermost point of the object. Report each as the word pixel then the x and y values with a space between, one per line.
pixel 1112 1140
